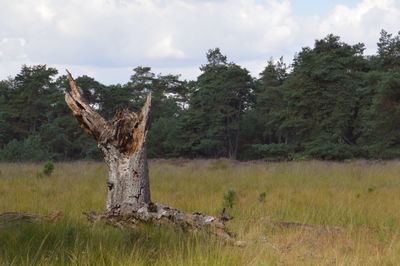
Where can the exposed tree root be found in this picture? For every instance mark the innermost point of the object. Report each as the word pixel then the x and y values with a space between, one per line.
pixel 158 214
pixel 14 217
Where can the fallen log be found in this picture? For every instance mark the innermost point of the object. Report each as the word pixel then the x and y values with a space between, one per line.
pixel 15 217
pixel 158 214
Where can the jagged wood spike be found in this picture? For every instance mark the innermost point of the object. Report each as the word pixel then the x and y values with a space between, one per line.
pixel 88 118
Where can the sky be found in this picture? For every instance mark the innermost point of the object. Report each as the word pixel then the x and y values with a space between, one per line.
pixel 106 39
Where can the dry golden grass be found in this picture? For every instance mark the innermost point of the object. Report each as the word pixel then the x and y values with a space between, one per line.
pixel 353 207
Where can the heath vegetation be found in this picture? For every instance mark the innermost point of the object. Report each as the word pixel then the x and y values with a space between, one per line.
pixel 312 213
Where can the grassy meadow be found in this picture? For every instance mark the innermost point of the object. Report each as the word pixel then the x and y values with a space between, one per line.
pixel 354 208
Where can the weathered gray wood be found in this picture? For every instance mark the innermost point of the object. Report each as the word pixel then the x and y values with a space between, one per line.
pixel 128 183
pixel 159 214
pixel 16 217
pixel 123 144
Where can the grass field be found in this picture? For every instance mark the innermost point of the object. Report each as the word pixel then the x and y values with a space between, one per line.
pixel 354 207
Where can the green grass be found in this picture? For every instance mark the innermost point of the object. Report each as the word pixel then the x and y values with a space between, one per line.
pixel 360 197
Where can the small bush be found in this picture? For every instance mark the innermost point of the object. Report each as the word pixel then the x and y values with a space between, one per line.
pixel 230 198
pixel 48 168
pixel 261 197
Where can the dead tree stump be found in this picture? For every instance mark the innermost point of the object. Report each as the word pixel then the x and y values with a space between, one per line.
pixel 122 141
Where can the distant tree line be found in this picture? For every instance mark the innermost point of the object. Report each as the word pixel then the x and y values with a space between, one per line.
pixel 332 102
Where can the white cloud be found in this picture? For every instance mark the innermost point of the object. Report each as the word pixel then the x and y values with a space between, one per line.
pixel 364 22
pixel 107 36
pixel 12 49
pixel 45 11
pixel 165 49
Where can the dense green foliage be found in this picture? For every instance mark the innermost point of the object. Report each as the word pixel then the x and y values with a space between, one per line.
pixel 332 102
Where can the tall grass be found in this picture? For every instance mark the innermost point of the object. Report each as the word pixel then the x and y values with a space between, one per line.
pixel 360 199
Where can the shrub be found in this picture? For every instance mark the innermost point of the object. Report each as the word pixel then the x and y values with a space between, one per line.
pixel 261 197
pixel 230 198
pixel 48 168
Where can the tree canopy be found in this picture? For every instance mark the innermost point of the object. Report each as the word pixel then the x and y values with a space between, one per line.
pixel 332 102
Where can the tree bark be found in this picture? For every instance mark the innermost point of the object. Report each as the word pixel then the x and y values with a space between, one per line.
pixel 123 144
pixel 122 141
pixel 125 155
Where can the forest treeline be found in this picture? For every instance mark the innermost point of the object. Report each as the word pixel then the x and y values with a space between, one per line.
pixel 333 102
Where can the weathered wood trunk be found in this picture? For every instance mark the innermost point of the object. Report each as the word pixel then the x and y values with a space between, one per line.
pixel 128 183
pixel 125 155
pixel 123 144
